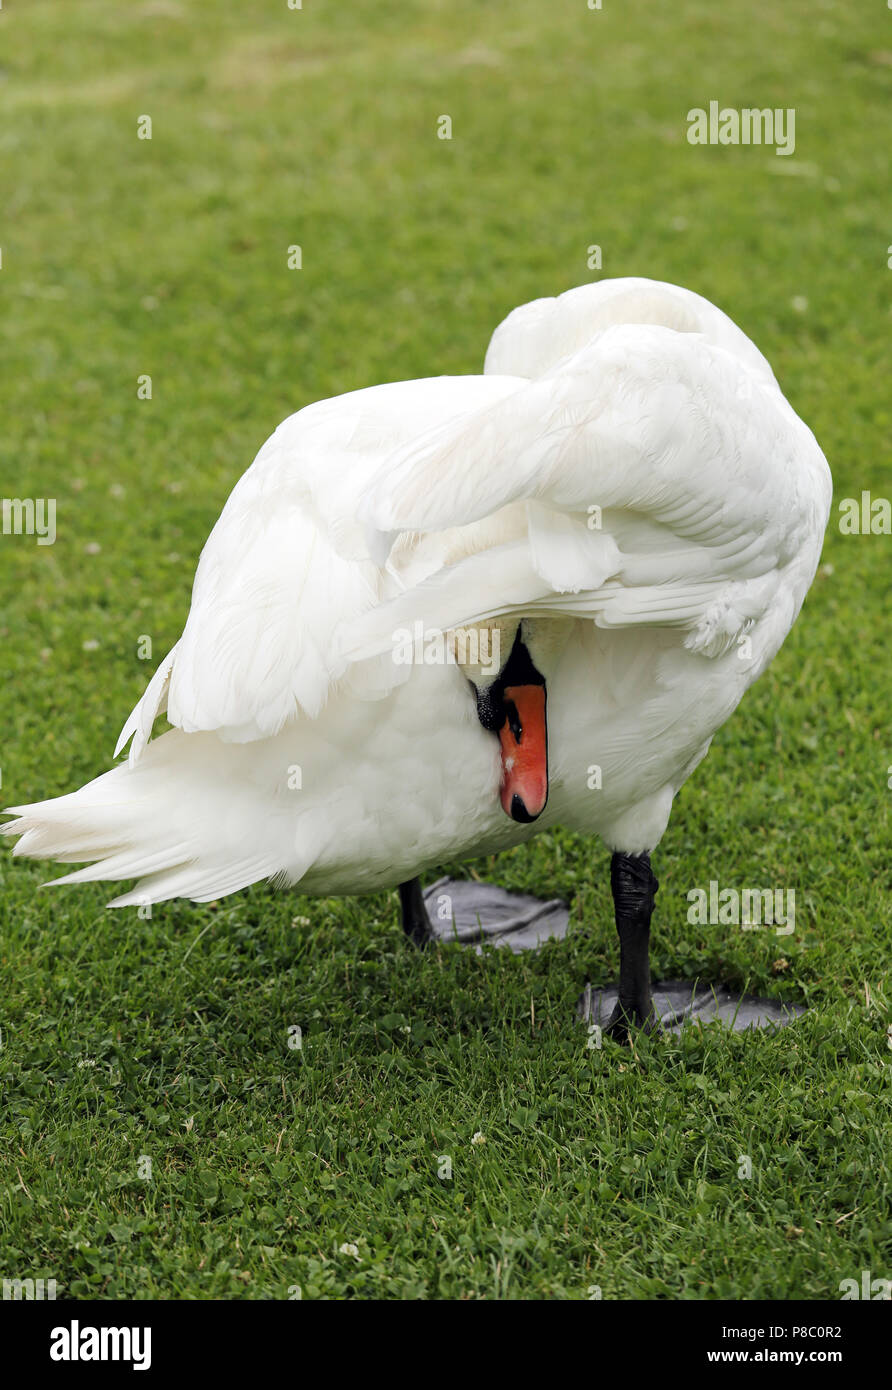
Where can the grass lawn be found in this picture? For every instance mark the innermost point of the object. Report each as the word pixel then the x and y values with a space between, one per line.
pixel 126 1039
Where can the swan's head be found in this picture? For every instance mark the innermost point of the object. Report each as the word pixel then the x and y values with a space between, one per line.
pixel 511 703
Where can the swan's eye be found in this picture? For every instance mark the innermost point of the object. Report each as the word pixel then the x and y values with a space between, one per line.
pixel 513 718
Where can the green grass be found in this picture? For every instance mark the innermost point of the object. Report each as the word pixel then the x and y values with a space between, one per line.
pixel 168 1037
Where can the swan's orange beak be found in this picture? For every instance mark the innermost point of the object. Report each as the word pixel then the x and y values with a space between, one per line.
pixel 524 742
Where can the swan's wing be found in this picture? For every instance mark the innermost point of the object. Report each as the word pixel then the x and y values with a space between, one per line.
pixel 288 561
pixel 254 647
pixel 665 482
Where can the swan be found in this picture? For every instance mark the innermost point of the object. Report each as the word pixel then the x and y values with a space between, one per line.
pixel 436 617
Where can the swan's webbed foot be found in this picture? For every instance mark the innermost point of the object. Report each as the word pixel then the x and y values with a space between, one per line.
pixel 416 923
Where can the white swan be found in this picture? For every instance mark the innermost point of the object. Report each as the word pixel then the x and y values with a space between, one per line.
pixel 624 503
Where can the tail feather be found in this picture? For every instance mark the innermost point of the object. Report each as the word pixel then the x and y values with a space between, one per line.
pixel 190 819
pixel 128 864
pixel 199 882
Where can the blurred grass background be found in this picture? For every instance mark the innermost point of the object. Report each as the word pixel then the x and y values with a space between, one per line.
pixel 168 1037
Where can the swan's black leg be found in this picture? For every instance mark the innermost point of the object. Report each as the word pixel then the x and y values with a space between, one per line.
pixel 416 923
pixel 634 888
